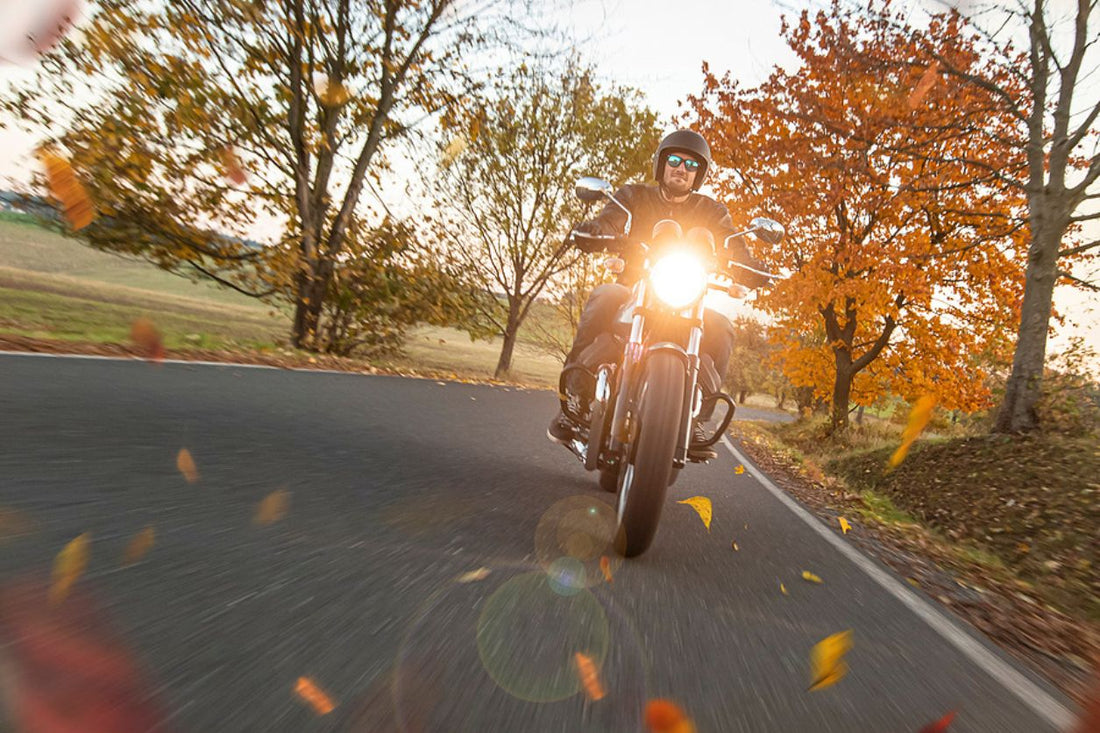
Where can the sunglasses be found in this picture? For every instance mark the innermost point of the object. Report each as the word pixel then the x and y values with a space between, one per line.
pixel 676 160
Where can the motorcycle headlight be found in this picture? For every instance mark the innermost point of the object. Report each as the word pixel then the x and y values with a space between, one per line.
pixel 679 279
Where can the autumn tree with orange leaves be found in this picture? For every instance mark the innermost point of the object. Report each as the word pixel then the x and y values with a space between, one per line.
pixel 909 273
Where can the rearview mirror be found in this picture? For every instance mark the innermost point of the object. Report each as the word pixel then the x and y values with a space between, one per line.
pixel 592 189
pixel 768 230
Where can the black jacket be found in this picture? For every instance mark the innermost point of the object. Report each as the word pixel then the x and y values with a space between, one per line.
pixel 648 206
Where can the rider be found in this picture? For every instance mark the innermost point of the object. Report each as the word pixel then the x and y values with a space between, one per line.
pixel 679 168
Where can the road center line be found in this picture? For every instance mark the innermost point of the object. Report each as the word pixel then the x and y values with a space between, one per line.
pixel 1030 694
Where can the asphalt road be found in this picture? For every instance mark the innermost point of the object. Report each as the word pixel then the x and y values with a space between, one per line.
pixel 398 488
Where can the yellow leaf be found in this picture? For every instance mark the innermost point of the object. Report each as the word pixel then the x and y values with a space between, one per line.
pixel 807 575
pixel 68 566
pixel 139 546
pixel 918 420
pixel 473 575
pixel 453 150
pixel 735 547
pixel 740 469
pixel 844 526
pixel 308 691
pixel 272 508
pixel 783 588
pixel 700 504
pixel 827 660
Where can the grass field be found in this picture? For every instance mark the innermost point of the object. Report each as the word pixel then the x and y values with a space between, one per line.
pixel 58 288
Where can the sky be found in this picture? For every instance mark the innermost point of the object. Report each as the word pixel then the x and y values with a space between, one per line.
pixel 659 48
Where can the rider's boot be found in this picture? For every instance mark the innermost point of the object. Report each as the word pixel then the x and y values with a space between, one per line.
pixel 696 451
pixel 561 430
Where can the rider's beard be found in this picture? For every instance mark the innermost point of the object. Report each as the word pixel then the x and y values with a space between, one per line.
pixel 676 187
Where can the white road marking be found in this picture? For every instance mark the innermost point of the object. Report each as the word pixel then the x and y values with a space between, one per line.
pixel 1041 702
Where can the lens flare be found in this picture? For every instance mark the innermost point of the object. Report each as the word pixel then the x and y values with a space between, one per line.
pixel 528 636
pixel 679 279
pixel 578 529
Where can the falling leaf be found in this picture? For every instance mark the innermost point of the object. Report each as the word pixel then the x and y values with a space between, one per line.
pixel 231 162
pixel 665 716
pixel 144 334
pixel 918 419
pixel 844 526
pixel 827 660
pixel 783 588
pixel 807 575
pixel 139 546
pixel 473 575
pixel 76 205
pixel 331 94
pixel 912 582
pixel 605 566
pixel 186 465
pixel 700 504
pixel 740 469
pixel 68 566
pixel 735 547
pixel 453 150
pixel 939 726
pixel 272 508
pixel 586 670
pixel 314 696
pixel 927 81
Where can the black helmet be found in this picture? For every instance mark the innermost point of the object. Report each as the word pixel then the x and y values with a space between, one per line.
pixel 683 141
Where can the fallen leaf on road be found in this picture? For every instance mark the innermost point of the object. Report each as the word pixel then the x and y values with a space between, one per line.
pixel 314 695
pixel 605 566
pixel 844 526
pixel 665 716
pixel 827 660
pixel 68 566
pixel 186 465
pixel 939 726
pixel 740 469
pixel 918 420
pixel 586 670
pixel 75 203
pixel 735 547
pixel 807 575
pixel 139 546
pixel 700 504
pixel 783 588
pixel 473 575
pixel 272 508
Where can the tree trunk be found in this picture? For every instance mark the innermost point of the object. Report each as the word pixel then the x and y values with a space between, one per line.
pixel 1017 413
pixel 741 396
pixel 310 298
pixel 842 389
pixel 504 363
pixel 859 415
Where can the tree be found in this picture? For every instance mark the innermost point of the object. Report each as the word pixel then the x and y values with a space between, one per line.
pixel 1053 114
pixel 507 182
pixel 905 272
pixel 194 117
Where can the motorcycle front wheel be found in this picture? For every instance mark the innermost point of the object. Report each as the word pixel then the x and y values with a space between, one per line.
pixel 644 479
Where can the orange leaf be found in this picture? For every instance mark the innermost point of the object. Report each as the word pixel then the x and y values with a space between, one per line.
pixel 234 171
pixel 927 81
pixel 146 337
pixel 665 716
pixel 918 420
pixel 76 205
pixel 272 508
pixel 939 726
pixel 586 669
pixel 313 695
pixel 139 546
pixel 605 566
pixel 740 469
pixel 186 465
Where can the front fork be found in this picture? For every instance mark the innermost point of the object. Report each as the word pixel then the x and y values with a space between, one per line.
pixel 692 397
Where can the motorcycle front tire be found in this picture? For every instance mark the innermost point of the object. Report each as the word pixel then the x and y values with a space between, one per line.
pixel 658 418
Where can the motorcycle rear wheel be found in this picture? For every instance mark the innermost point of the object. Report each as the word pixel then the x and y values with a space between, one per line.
pixel 645 478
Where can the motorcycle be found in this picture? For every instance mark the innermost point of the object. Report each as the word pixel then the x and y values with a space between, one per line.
pixel 646 390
